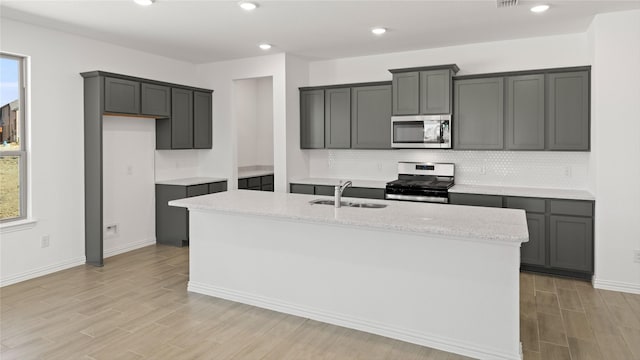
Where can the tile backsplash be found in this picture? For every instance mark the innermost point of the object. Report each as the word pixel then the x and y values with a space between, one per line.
pixel 544 169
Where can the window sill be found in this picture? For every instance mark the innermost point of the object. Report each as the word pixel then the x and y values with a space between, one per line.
pixel 17 225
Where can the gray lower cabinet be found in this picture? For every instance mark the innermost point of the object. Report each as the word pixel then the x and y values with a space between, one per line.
pixel 260 183
pixel 337 118
pixel 478 114
pixel 121 96
pixel 406 93
pixel 312 126
pixel 435 92
pixel 172 223
pixel 155 100
pixel 202 118
pixel 525 112
pixel 568 106
pixel 181 119
pixel 371 117
pixel 560 232
pixel 571 242
pixel 327 190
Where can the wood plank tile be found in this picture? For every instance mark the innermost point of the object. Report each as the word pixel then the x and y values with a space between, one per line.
pixel 624 316
pixel 529 334
pixel 554 352
pixel 530 355
pixel 544 283
pixel 527 284
pixel 632 338
pixel 577 326
pixel 563 283
pixel 551 329
pixel 584 350
pixel 613 298
pixel 569 299
pixel 590 298
pixel 547 303
pixel 613 347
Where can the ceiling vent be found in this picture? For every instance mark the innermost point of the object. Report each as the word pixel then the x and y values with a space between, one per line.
pixel 506 3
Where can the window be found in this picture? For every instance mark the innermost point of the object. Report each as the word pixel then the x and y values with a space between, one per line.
pixel 13 156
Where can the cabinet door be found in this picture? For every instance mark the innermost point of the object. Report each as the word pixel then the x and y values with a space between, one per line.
pixel 301 189
pixel 475 200
pixel 155 100
pixel 197 190
pixel 365 193
pixel 533 251
pixel 525 112
pixel 371 117
pixel 325 190
pixel 571 243
pixel 172 223
pixel 568 111
pixel 202 120
pixel 121 96
pixel 243 183
pixel 217 187
pixel 266 180
pixel 478 122
pixel 312 119
pixel 406 93
pixel 435 92
pixel 181 119
pixel 337 118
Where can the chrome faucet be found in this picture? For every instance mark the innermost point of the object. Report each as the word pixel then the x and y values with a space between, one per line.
pixel 337 193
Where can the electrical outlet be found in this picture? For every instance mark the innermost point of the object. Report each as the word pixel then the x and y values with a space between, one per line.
pixel 44 242
pixel 636 255
pixel 111 231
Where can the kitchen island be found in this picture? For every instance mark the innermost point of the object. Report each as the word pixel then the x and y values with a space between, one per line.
pixel 442 276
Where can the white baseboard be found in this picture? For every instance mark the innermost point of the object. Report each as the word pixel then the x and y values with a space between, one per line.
pixel 128 247
pixel 429 340
pixel 45 270
pixel 616 286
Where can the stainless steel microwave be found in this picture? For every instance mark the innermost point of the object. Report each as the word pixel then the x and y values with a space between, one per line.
pixel 421 131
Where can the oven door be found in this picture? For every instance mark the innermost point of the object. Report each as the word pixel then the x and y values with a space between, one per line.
pixel 413 132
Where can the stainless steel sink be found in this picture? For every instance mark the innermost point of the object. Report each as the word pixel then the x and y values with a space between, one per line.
pixel 348 203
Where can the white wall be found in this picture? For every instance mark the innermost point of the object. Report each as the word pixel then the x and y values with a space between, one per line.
pixel 56 120
pixel 615 39
pixel 128 191
pixel 536 169
pixel 253 114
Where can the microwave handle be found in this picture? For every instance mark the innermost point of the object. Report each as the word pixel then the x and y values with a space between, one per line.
pixel 441 132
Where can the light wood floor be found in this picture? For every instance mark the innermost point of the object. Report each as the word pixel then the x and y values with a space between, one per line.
pixel 137 307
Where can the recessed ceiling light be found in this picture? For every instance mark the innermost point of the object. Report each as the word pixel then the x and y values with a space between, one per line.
pixel 540 8
pixel 144 2
pixel 379 30
pixel 248 6
pixel 265 46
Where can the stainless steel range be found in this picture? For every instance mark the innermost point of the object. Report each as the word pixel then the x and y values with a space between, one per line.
pixel 425 182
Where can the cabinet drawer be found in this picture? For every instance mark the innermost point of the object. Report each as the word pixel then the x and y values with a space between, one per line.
pixel 366 193
pixel 253 182
pixel 528 204
pixel 325 190
pixel 572 207
pixel 267 180
pixel 301 189
pixel 217 187
pixel 267 187
pixel 475 200
pixel 197 190
pixel 242 184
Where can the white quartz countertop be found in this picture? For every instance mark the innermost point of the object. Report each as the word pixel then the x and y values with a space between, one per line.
pixel 374 184
pixel 251 173
pixel 190 181
pixel 473 223
pixel 523 191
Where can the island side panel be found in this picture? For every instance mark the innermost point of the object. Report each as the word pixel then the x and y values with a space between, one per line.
pixel 455 295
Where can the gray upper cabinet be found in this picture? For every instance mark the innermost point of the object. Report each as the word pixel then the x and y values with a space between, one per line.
pixel 155 100
pixel 181 119
pixel 371 117
pixel 406 93
pixel 435 92
pixel 571 242
pixel 312 127
pixel 568 111
pixel 478 114
pixel 121 96
pixel 337 118
pixel 202 118
pixel 525 112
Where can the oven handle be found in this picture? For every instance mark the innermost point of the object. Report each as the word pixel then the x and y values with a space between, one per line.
pixel 433 199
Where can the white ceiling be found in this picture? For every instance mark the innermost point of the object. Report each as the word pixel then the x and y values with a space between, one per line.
pixel 201 31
